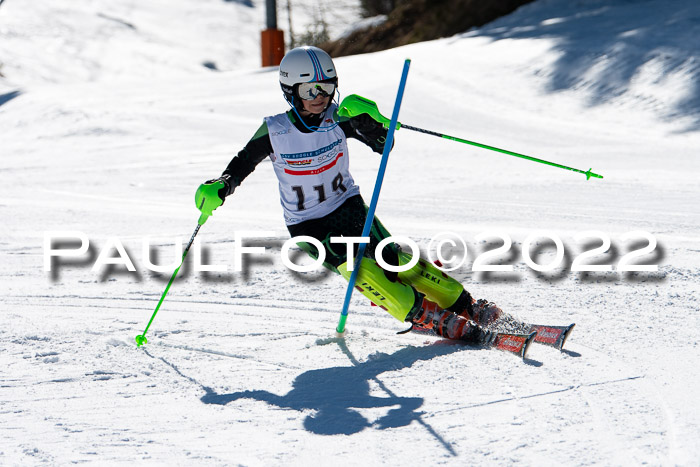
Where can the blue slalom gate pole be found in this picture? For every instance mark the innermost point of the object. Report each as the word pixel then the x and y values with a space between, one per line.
pixel 375 198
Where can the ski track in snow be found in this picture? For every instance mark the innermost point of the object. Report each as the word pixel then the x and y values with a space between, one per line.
pixel 580 390
pixel 111 138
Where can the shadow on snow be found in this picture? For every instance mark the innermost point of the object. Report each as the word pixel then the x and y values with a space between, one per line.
pixel 334 393
pixel 7 97
pixel 604 45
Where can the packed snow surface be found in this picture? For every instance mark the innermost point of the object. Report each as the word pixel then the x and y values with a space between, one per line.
pixel 111 114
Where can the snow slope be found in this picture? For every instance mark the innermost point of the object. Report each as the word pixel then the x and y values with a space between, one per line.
pixel 242 368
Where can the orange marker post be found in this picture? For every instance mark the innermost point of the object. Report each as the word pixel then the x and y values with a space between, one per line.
pixel 272 41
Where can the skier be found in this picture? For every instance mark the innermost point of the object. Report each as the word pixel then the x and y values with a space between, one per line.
pixel 308 149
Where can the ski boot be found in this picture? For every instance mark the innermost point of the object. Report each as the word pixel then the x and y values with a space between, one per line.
pixel 485 312
pixel 429 316
pixel 482 312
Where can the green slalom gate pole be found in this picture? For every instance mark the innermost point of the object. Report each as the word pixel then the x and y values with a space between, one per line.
pixel 141 338
pixel 354 105
pixel 375 198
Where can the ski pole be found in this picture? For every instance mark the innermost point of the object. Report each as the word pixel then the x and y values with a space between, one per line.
pixel 141 338
pixel 354 105
pixel 375 197
pixel 587 173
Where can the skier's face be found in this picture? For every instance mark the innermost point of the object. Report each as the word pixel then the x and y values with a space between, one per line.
pixel 316 106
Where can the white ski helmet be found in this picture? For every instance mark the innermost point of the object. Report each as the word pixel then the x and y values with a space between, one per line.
pixel 305 64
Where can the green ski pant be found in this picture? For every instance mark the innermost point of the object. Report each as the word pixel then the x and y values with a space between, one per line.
pixel 397 294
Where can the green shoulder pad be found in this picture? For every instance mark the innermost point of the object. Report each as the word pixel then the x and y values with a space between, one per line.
pixel 262 131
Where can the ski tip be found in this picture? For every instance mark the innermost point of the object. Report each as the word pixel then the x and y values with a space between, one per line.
pixel 565 335
pixel 528 342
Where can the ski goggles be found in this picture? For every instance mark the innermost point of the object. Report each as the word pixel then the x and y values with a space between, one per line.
pixel 310 91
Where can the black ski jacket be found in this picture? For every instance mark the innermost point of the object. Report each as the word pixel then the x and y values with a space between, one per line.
pixel 362 127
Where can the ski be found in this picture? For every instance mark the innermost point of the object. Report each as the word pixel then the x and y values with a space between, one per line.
pixel 553 336
pixel 517 344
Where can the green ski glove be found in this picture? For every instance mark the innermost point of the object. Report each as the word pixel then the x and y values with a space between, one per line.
pixel 354 105
pixel 210 195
